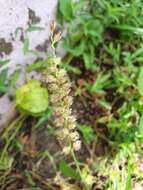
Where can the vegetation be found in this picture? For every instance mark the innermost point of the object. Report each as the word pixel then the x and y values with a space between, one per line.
pixel 94 140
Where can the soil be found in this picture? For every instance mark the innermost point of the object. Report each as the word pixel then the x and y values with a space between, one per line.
pixel 5 47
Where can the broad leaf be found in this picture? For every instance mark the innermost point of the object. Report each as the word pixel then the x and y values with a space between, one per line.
pixel 66 9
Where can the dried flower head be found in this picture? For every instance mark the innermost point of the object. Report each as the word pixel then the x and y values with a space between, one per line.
pixel 57 37
pixel 53 26
pixel 59 87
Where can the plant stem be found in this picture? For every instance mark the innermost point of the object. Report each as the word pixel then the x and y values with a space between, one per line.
pixel 78 168
pixel 16 124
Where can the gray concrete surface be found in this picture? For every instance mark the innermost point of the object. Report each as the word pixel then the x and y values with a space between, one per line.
pixel 21 14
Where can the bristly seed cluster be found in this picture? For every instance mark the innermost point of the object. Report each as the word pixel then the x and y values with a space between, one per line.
pixel 59 88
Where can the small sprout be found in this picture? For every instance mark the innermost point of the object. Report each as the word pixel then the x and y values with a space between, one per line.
pixel 31 98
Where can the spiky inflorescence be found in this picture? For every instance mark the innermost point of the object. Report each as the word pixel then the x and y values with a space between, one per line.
pixel 59 88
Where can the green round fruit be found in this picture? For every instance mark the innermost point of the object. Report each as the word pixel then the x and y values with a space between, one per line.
pixel 31 98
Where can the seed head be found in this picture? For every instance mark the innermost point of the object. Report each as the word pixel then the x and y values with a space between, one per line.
pixel 59 88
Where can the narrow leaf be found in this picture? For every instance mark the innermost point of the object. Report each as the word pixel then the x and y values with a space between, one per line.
pixel 141 125
pixel 3 62
pixel 38 65
pixel 26 46
pixel 34 28
pixel 140 81
pixel 68 171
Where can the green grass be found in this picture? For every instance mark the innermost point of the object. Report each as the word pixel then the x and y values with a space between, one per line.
pixel 107 37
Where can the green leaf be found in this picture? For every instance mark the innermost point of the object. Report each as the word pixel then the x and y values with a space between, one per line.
pixel 26 46
pixel 87 60
pixel 140 81
pixel 87 133
pixel 3 62
pixel 75 50
pixel 129 177
pixel 34 28
pixel 94 28
pixel 44 118
pixel 66 9
pixel 72 69
pixel 29 179
pixel 141 125
pixel 100 83
pixel 135 30
pixel 31 98
pixel 38 65
pixel 3 78
pixel 14 78
pixel 6 163
pixel 89 57
pixel 68 171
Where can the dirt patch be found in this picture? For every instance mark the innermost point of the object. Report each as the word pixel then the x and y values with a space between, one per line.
pixel 43 47
pixel 5 47
pixel 33 18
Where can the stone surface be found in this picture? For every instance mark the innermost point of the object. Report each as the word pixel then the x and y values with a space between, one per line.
pixel 16 16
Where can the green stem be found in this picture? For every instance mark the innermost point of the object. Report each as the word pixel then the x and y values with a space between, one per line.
pixel 15 125
pixel 78 168
pixel 47 153
pixel 11 126
pixel 76 163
